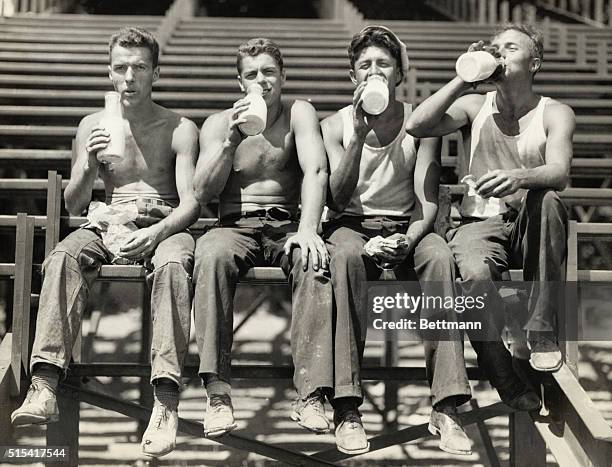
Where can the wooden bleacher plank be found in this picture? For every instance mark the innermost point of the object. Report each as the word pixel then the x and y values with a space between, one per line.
pixel 7 270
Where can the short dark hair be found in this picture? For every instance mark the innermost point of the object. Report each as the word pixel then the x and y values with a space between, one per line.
pixel 258 46
pixel 375 36
pixel 534 34
pixel 135 37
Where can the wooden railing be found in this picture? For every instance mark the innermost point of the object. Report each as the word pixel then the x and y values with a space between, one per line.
pixel 12 7
pixel 593 12
pixel 178 10
pixel 344 11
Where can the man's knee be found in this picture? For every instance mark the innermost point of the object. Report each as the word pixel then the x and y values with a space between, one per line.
pixel 346 259
pixel 547 200
pixel 212 253
pixel 434 250
pixel 176 251
pixel 476 270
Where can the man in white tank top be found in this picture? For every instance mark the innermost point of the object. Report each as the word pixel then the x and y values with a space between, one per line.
pixel 520 151
pixel 384 182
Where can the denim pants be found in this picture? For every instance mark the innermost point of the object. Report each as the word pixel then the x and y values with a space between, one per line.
pixel 223 255
pixel 534 239
pixel 69 272
pixel 430 263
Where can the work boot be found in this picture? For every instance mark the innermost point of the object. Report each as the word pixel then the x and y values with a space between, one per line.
pixel 310 413
pixel 350 435
pixel 496 362
pixel 160 436
pixel 39 407
pixel 452 437
pixel 545 354
pixel 219 418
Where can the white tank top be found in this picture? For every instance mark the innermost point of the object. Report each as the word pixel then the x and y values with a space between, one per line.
pixel 490 149
pixel 386 174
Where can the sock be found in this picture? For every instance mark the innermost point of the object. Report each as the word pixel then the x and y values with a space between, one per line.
pixel 46 375
pixel 448 405
pixel 218 387
pixel 166 392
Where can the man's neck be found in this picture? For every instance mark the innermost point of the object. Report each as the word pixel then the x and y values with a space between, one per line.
pixel 515 99
pixel 273 113
pixel 390 114
pixel 139 112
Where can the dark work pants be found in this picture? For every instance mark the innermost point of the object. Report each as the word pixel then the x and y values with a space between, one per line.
pixel 534 239
pixel 226 253
pixel 431 261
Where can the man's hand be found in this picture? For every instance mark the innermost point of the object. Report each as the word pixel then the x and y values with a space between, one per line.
pixel 499 183
pixel 98 139
pixel 141 243
pixel 311 245
pixel 395 254
pixel 361 124
pixel 235 136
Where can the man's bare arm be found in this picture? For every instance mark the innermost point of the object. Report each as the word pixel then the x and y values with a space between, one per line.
pixel 85 169
pixel 185 145
pixel 219 138
pixel 426 186
pixel 445 111
pixel 559 123
pixel 311 157
pixel 343 164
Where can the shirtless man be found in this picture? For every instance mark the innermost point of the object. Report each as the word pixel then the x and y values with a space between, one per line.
pixel 157 168
pixel 520 149
pixel 257 179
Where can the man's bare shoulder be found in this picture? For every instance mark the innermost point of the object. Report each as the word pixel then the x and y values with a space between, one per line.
pixel 90 121
pixel 216 121
pixel 301 112
pixel 556 111
pixel 471 103
pixel 332 122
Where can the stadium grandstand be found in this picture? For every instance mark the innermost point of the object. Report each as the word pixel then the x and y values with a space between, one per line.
pixel 53 72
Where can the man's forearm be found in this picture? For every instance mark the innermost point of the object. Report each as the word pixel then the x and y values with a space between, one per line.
pixel 78 192
pixel 211 177
pixel 343 180
pixel 314 187
pixel 545 176
pixel 431 110
pixel 421 227
pixel 181 218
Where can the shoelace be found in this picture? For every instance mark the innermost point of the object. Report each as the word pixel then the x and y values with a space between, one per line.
pixel 34 387
pixel 351 416
pixel 316 401
pixel 219 402
pixel 161 415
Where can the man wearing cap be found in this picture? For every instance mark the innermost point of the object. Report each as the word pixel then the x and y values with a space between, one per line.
pixel 260 181
pixel 383 182
pixel 520 150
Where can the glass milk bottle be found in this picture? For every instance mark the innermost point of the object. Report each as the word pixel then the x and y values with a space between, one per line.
pixel 256 114
pixel 375 96
pixel 112 122
pixel 476 66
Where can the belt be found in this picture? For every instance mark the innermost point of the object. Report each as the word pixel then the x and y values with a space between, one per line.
pixel 275 214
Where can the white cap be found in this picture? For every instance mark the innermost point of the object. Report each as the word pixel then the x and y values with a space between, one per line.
pixel 403 54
